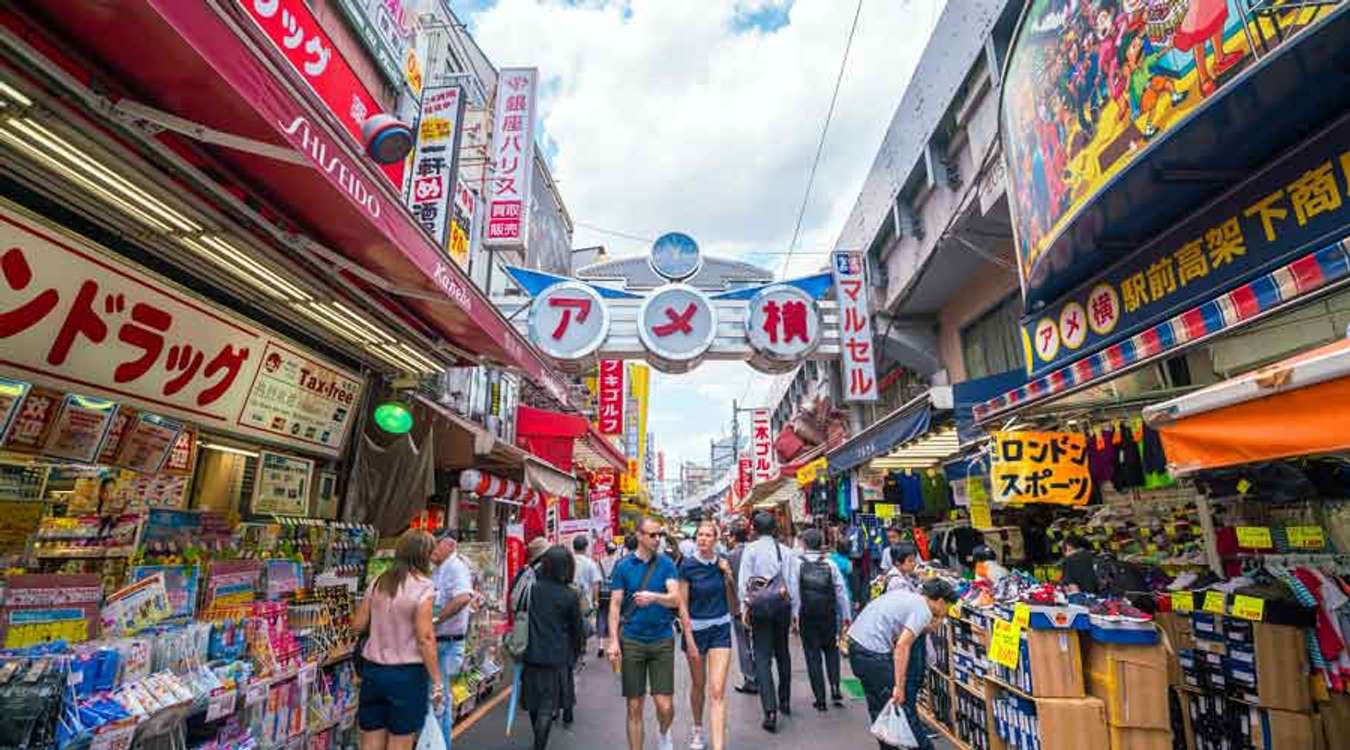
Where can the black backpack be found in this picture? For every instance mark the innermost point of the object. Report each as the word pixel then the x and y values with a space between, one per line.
pixel 817 586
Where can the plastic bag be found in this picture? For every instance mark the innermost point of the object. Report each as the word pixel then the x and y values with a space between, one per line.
pixel 431 738
pixel 891 727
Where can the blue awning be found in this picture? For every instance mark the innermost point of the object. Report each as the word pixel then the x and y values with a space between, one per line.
pixel 971 392
pixel 901 425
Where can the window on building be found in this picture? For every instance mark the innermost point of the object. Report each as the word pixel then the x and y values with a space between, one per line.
pixel 990 345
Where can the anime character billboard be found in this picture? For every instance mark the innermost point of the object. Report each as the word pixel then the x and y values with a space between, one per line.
pixel 1092 83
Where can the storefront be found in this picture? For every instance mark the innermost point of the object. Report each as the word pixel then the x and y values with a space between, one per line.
pixel 206 293
pixel 1156 261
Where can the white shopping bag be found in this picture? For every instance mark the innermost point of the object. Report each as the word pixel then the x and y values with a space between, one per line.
pixel 432 738
pixel 892 728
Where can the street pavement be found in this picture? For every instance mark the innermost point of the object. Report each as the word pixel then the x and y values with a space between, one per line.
pixel 600 723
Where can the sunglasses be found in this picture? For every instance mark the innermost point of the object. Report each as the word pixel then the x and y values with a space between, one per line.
pixel 654 534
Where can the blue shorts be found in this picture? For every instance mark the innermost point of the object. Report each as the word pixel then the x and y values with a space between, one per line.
pixel 393 698
pixel 718 636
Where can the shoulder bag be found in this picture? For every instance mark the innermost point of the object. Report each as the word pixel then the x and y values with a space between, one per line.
pixel 768 599
pixel 629 603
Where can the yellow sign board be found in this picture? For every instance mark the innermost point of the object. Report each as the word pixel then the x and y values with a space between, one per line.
pixel 1255 537
pixel 1183 601
pixel 1005 644
pixel 1214 602
pixel 1249 607
pixel 1022 615
pixel 1040 467
pixel 810 472
pixel 1306 537
pixel 980 516
pixel 886 511
pixel 458 244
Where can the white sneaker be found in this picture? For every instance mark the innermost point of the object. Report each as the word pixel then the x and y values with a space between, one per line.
pixel 666 742
pixel 696 740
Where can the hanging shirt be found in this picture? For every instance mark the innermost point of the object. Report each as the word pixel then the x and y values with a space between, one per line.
pixel 1101 457
pixel 1129 466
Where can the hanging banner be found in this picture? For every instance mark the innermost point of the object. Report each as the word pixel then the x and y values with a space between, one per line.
pixel 156 347
pixel 435 166
pixel 610 384
pixel 508 211
pixel 761 441
pixel 745 475
pixel 808 473
pixel 1040 467
pixel 855 327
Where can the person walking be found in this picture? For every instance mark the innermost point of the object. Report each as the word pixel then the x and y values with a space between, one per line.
pixel 885 654
pixel 401 667
pixel 605 558
pixel 454 591
pixel 644 601
pixel 768 594
pixel 824 608
pixel 709 597
pixel 745 652
pixel 557 636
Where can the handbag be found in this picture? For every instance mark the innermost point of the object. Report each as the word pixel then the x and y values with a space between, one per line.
pixel 768 599
pixel 517 639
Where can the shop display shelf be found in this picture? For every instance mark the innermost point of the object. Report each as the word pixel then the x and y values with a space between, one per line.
pixel 972 688
pixel 942 729
pixel 1005 686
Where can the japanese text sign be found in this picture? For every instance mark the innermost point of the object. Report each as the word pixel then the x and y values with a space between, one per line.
pixel 1302 199
pixel 298 36
pixel 745 475
pixel 856 356
pixel 761 442
pixel 508 193
pixel 1255 537
pixel 435 170
pixel 677 323
pixel 568 320
pixel 72 318
pixel 610 386
pixel 389 30
pixel 808 473
pixel 1040 467
pixel 1005 643
pixel 783 324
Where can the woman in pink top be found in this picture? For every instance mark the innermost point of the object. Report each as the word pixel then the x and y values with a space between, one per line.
pixel 401 668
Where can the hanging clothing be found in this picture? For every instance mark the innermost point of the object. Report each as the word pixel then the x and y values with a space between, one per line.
pixel 911 489
pixel 1128 472
pixel 1101 456
pixel 1153 460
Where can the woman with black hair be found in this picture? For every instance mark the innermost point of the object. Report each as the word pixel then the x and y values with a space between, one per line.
pixel 554 610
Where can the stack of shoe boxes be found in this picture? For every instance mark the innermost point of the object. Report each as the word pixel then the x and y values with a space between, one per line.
pixel 972 720
pixel 1015 722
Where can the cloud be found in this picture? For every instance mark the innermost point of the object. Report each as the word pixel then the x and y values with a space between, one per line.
pixel 703 117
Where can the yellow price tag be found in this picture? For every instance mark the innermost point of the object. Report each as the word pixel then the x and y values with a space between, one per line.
pixel 1254 537
pixel 1242 486
pixel 980 516
pixel 954 611
pixel 1005 644
pixel 1022 616
pixel 1183 601
pixel 1214 602
pixel 1306 537
pixel 1249 607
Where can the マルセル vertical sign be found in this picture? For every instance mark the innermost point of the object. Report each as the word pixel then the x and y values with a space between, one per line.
pixel 856 357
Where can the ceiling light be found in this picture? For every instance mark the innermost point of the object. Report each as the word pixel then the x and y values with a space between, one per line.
pixel 262 272
pixel 229 449
pixel 15 94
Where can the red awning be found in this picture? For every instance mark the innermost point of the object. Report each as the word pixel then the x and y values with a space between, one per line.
pixel 217 69
pixel 554 436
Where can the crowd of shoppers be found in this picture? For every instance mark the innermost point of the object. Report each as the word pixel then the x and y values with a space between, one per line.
pixel 745 585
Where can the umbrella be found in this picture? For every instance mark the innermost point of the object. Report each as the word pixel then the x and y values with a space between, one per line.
pixel 515 697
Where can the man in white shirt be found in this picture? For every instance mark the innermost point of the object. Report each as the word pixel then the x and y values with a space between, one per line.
pixel 764 559
pixel 453 582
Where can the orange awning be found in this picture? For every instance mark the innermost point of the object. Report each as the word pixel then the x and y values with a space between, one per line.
pixel 1297 407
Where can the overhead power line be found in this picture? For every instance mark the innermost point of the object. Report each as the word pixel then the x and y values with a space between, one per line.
pixel 824 130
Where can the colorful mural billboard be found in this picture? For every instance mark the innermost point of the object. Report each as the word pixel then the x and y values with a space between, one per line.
pixel 1092 83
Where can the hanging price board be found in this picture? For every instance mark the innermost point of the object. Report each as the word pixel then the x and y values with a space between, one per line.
pixel 1306 537
pixel 1022 616
pixel 1183 601
pixel 1214 602
pixel 1254 537
pixel 980 517
pixel 1249 607
pixel 1005 644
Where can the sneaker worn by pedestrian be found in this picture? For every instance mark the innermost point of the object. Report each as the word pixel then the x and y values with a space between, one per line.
pixel 837 699
pixel 696 740
pixel 749 688
pixel 666 742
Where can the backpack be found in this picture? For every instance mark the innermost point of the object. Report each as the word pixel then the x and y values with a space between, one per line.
pixel 817 588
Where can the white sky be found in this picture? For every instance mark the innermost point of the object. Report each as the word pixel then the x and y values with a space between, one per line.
pixel 702 116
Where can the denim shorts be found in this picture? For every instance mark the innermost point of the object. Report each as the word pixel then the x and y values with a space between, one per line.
pixel 717 636
pixel 393 698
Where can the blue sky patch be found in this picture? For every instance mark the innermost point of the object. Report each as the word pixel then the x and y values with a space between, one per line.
pixel 767 19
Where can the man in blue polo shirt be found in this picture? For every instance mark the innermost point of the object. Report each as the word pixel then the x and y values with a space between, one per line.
pixel 644 601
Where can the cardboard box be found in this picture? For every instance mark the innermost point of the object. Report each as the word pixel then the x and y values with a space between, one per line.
pixel 1281 667
pixel 1132 681
pixel 1176 631
pixel 1291 731
pixel 1335 715
pixel 1135 738
pixel 1056 664
pixel 1071 723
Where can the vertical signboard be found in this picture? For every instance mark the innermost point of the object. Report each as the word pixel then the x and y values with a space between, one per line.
pixel 435 174
pixel 856 357
pixel 508 199
pixel 610 412
pixel 745 475
pixel 463 224
pixel 389 29
pixel 761 441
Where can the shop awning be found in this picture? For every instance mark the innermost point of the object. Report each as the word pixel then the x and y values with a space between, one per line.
pixel 899 426
pixel 1292 408
pixel 565 439
pixel 208 63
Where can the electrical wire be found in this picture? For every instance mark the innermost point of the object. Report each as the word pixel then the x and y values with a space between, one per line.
pixel 824 130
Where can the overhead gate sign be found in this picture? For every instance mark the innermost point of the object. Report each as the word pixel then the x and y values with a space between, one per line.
pixel 75 319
